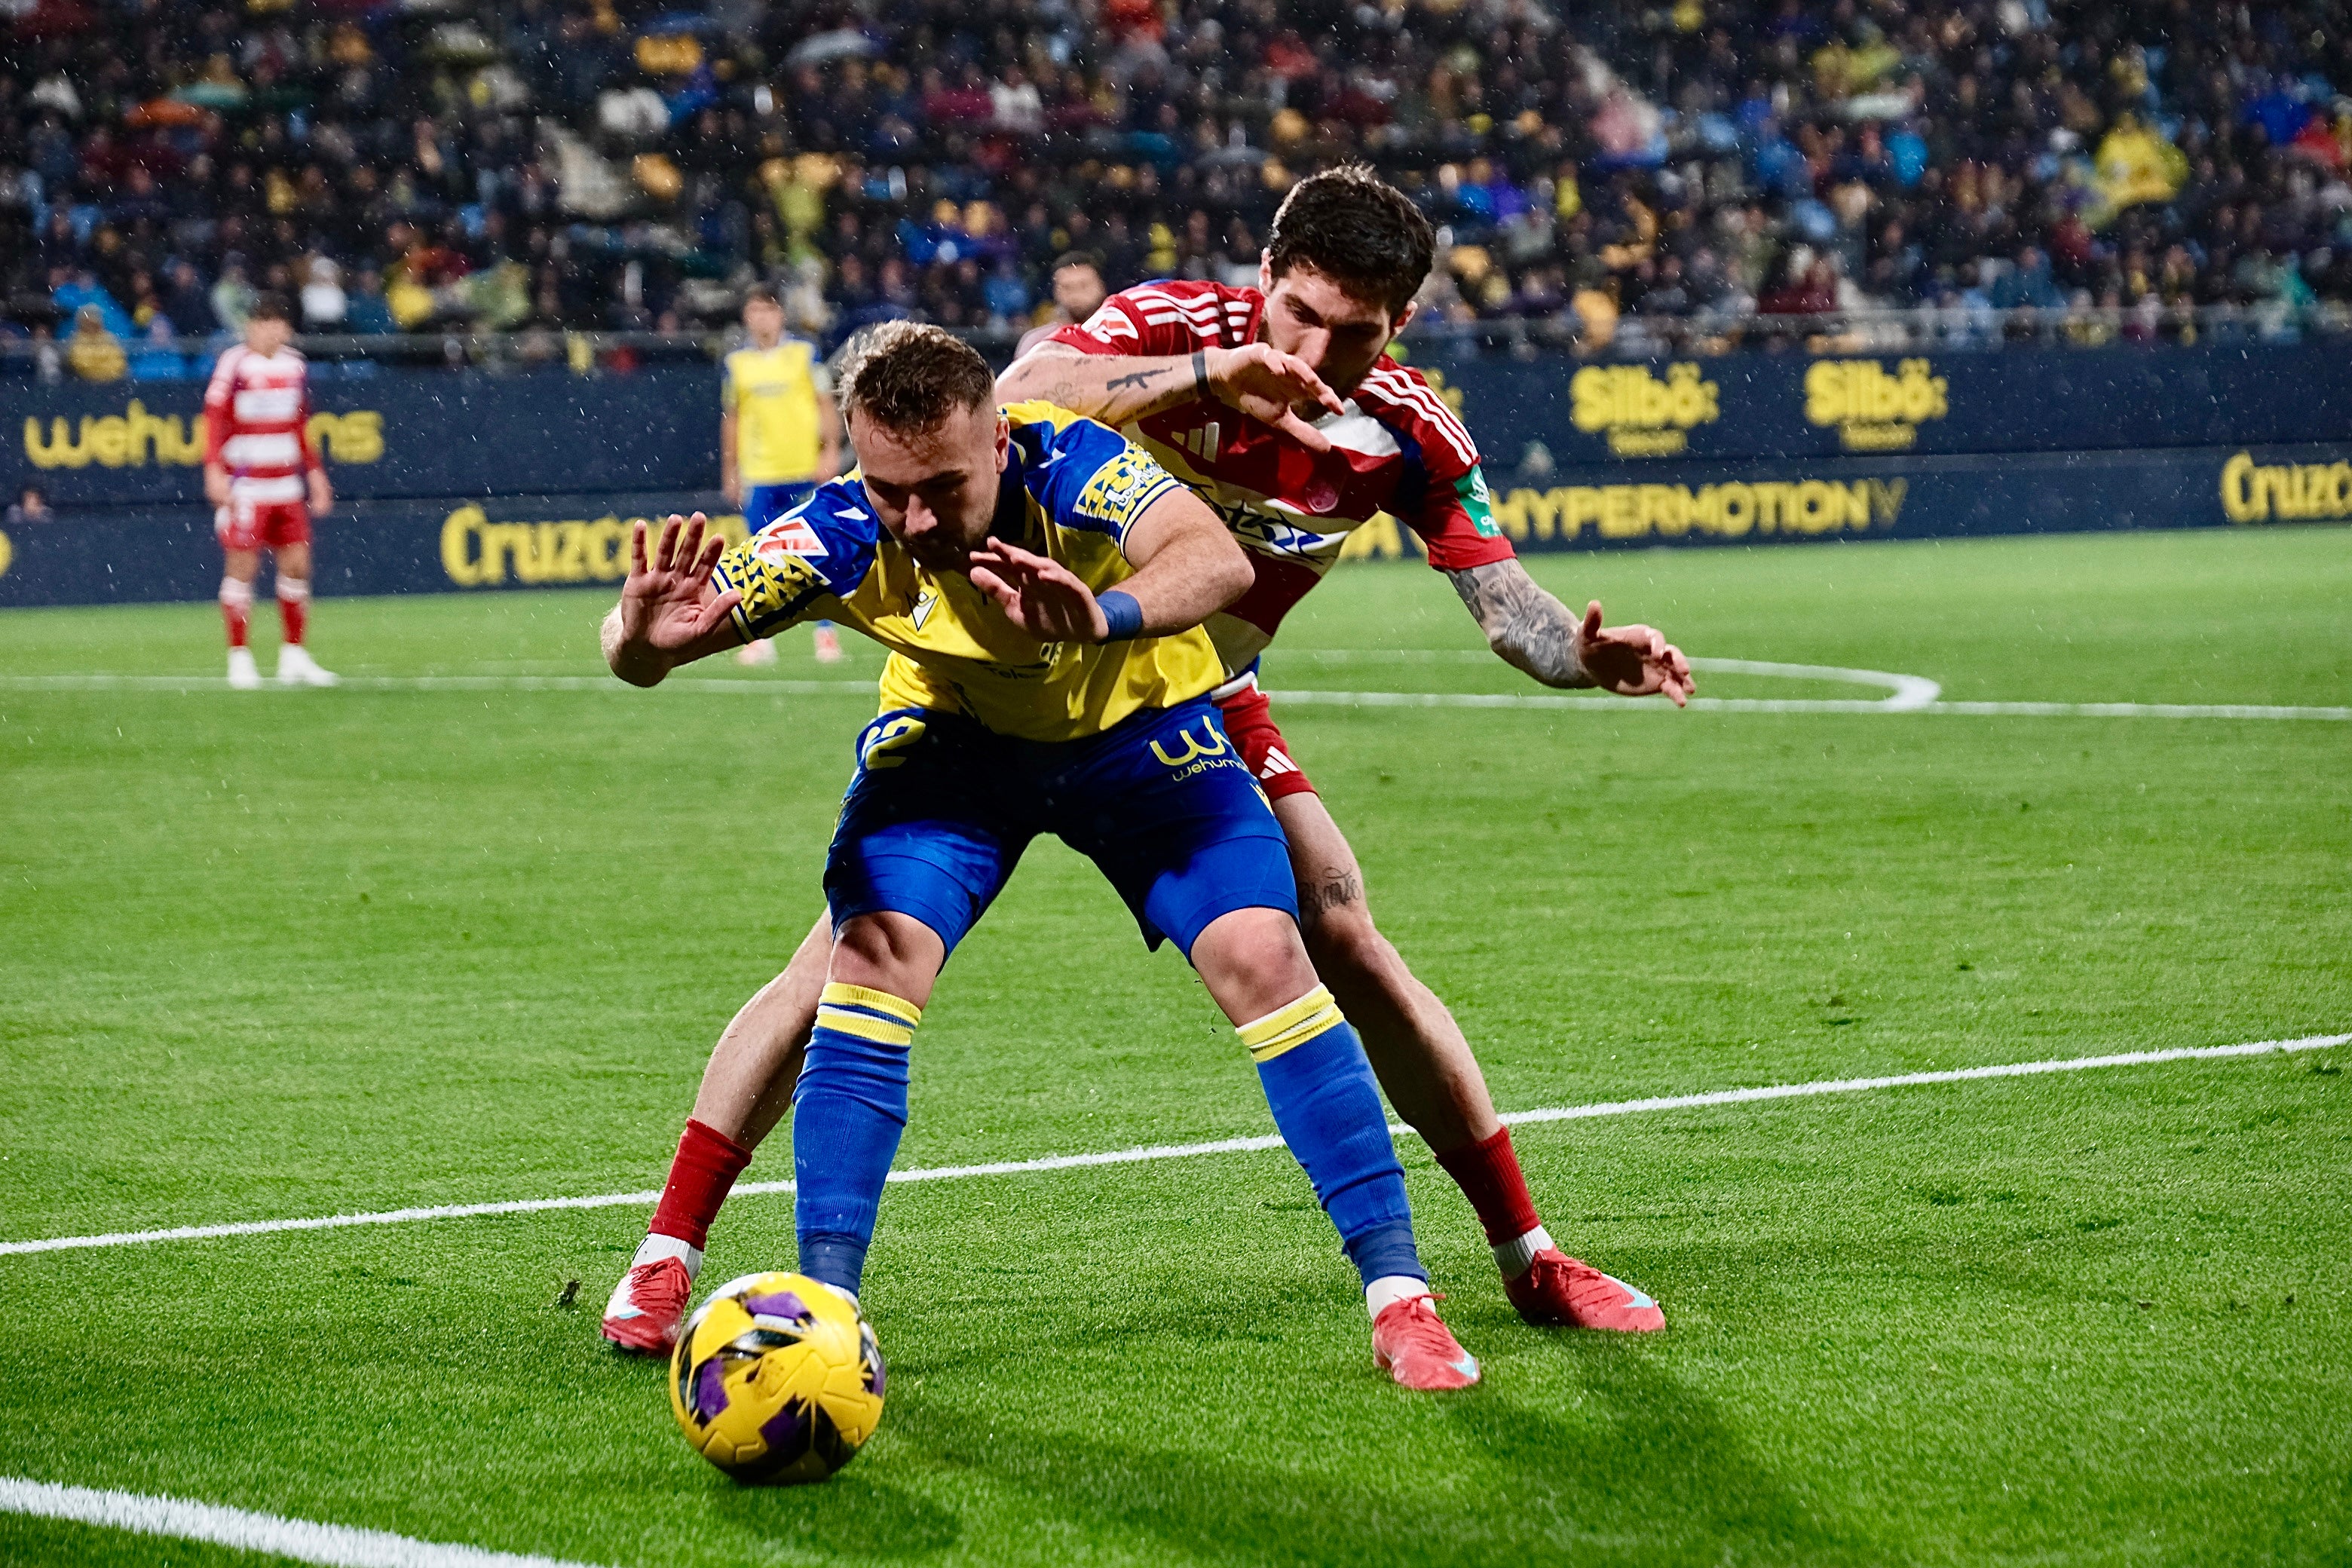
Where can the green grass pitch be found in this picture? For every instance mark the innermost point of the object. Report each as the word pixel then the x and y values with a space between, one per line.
pixel 302 953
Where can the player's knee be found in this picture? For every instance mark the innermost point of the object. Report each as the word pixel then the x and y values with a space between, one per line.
pixel 888 951
pixel 1252 962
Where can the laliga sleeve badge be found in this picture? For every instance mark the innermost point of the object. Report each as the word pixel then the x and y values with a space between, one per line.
pixel 788 536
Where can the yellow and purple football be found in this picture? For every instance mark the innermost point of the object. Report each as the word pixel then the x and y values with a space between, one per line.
pixel 776 1380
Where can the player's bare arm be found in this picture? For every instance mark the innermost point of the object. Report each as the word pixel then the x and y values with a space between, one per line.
pixel 729 484
pixel 1187 569
pixel 1257 379
pixel 668 613
pixel 1532 631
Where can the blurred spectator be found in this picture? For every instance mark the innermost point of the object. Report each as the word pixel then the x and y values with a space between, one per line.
pixel 92 353
pixel 324 304
pixel 188 303
pixel 233 297
pixel 1078 293
pixel 31 506
pixel 365 311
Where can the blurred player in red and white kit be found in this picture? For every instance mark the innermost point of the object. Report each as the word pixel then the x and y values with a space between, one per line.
pixel 1281 406
pixel 266 483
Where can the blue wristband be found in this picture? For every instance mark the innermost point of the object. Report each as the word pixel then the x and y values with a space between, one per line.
pixel 1125 615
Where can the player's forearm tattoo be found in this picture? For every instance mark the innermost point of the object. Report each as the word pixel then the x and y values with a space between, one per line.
pixel 1139 378
pixel 1526 626
pixel 1330 889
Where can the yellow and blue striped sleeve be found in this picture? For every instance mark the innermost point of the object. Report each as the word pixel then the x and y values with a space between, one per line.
pixel 821 549
pixel 779 588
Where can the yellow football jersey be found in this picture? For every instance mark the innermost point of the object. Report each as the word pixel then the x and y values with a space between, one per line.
pixel 772 393
pixel 1071 489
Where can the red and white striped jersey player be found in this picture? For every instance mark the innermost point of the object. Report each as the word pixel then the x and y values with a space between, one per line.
pixel 1280 404
pixel 265 482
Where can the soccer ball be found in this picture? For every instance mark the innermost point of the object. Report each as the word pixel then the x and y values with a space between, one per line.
pixel 776 1379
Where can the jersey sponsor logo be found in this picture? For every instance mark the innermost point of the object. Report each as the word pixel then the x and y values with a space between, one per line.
pixel 1479 502
pixel 1210 744
pixel 1267 531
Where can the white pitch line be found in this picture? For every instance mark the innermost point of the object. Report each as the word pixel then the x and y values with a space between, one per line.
pixel 304 1540
pixel 1192 1150
pixel 1553 700
pixel 193 684
pixel 1909 693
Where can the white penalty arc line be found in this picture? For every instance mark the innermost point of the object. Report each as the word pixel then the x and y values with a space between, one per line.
pixel 1192 1150
pixel 1910 694
pixel 302 1539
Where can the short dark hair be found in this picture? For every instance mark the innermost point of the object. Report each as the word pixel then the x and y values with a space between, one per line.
pixel 1075 259
pixel 1355 229
pixel 760 294
pixel 907 376
pixel 269 308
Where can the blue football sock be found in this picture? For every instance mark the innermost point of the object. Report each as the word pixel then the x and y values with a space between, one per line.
pixel 1324 1098
pixel 848 1111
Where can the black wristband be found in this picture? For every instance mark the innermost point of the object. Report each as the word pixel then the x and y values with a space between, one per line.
pixel 1199 372
pixel 1123 613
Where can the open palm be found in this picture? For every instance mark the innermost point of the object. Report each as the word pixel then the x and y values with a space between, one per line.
pixel 666 603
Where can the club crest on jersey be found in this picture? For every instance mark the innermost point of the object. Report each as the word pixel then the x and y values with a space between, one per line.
pixel 788 535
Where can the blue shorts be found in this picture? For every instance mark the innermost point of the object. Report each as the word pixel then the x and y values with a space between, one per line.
pixel 762 504
pixel 941 808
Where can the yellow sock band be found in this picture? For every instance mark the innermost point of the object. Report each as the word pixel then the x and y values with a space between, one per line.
pixel 1287 1028
pixel 868 1013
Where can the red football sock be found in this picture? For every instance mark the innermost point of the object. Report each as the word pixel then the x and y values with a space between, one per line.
pixel 293 608
pixel 1488 1175
pixel 236 609
pixel 700 1180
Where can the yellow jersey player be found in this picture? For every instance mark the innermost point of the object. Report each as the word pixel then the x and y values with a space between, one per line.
pixel 779 435
pixel 1040 584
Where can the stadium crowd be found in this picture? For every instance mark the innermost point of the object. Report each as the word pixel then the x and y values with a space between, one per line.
pixel 398 166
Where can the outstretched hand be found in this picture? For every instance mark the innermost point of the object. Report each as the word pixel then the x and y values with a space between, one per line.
pixel 1040 597
pixel 1266 383
pixel 1632 660
pixel 666 604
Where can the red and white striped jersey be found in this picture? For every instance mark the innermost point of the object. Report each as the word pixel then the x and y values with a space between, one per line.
pixel 1397 449
pixel 257 413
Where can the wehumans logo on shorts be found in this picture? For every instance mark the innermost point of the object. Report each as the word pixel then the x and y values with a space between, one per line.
pixel 1200 755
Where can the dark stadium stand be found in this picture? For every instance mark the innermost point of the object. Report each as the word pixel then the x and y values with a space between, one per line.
pixel 1612 173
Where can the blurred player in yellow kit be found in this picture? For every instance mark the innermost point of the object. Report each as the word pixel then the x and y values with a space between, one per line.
pixel 779 436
